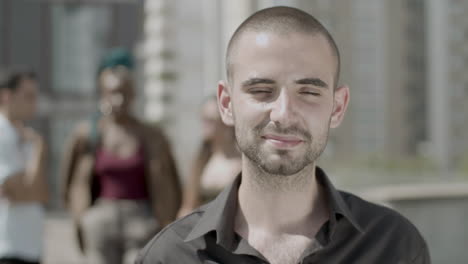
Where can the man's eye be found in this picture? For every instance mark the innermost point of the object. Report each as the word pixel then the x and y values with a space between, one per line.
pixel 310 93
pixel 260 91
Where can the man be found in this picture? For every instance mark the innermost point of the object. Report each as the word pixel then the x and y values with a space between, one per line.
pixel 23 188
pixel 282 97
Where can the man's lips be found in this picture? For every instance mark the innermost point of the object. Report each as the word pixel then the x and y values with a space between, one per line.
pixel 283 141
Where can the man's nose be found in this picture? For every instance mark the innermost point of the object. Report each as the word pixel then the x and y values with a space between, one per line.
pixel 282 109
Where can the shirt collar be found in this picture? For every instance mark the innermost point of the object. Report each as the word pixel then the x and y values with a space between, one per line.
pixel 338 207
pixel 219 215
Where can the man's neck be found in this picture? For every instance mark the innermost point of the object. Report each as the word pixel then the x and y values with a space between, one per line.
pixel 280 204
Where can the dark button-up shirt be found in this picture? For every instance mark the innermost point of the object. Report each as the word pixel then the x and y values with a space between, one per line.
pixel 357 232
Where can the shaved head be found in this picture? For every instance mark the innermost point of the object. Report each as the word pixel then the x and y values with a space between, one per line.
pixel 280 20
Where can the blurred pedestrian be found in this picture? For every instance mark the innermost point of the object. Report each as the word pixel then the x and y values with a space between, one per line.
pixel 23 188
pixel 217 163
pixel 121 182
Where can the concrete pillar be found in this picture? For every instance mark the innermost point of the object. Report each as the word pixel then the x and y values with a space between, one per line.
pixel 439 85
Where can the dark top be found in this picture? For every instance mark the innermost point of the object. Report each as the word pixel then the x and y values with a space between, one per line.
pixel 357 232
pixel 121 178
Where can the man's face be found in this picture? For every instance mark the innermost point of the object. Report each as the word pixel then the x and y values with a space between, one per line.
pixel 22 101
pixel 281 99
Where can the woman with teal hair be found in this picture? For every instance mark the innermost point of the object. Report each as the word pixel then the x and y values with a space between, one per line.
pixel 121 182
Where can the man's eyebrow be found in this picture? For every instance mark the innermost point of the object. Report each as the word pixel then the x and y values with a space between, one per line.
pixel 253 81
pixel 313 81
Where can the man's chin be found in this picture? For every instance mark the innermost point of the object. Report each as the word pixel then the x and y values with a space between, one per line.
pixel 280 165
pixel 280 169
pixel 281 155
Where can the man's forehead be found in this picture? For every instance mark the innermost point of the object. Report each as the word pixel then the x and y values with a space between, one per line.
pixel 252 43
pixel 275 45
pixel 263 37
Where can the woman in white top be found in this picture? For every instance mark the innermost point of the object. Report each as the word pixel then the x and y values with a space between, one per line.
pixel 217 163
pixel 23 189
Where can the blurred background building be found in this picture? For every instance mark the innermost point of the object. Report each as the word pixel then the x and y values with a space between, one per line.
pixel 63 41
pixel 447 56
pixel 406 62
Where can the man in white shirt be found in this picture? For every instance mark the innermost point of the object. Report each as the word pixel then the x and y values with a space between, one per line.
pixel 23 188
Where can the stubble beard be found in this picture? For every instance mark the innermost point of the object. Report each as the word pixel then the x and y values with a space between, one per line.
pixel 289 172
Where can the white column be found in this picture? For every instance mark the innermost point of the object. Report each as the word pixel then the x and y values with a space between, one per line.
pixel 439 85
pixel 213 52
pixel 381 77
pixel 153 64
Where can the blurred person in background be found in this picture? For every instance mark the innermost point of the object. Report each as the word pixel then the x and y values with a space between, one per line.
pixel 121 182
pixel 23 187
pixel 217 163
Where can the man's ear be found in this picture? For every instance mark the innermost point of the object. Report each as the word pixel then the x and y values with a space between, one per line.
pixel 340 104
pixel 225 103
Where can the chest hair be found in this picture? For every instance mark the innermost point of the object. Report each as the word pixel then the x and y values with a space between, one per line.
pixel 284 249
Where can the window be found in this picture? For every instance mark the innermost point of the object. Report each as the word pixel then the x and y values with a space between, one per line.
pixel 79 40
